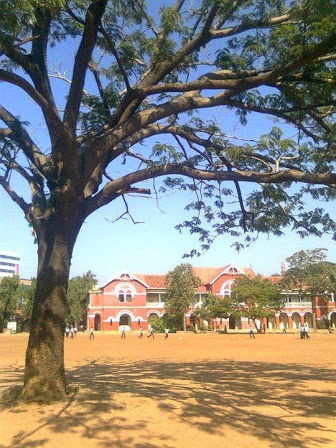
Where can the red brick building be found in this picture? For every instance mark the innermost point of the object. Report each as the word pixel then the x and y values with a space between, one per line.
pixel 131 299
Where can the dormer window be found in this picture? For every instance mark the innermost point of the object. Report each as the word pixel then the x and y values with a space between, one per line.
pixel 125 276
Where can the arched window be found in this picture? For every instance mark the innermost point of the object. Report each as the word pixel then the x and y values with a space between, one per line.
pixel 226 288
pixel 125 295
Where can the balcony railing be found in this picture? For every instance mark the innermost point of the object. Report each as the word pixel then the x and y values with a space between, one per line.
pixel 298 305
pixel 155 305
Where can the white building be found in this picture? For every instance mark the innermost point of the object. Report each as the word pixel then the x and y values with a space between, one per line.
pixel 9 263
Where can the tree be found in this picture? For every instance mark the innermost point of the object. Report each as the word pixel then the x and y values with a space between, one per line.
pixel 136 98
pixel 256 298
pixel 158 324
pixel 28 295
pixel 311 274
pixel 77 296
pixel 215 307
pixel 181 285
pixel 10 291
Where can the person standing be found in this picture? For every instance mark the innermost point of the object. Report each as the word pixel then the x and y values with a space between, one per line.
pixel 140 333
pixel 306 330
pixel 302 332
pixel 91 333
pixel 123 333
pixel 67 331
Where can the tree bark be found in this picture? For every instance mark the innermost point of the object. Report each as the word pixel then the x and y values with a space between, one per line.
pixel 44 378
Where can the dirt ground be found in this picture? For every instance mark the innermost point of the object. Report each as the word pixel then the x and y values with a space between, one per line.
pixel 189 391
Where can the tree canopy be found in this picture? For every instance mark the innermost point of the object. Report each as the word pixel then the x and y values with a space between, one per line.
pixel 127 92
pixel 10 291
pixel 214 307
pixel 310 272
pixel 256 298
pixel 137 72
pixel 77 294
pixel 29 295
pixel 181 285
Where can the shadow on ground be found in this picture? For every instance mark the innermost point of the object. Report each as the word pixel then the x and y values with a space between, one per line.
pixel 272 402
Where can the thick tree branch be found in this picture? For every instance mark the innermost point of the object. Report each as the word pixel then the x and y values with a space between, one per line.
pixel 82 60
pixel 119 186
pixel 40 100
pixel 22 139
pixel 14 196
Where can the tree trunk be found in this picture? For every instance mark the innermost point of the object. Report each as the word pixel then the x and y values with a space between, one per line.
pixel 44 378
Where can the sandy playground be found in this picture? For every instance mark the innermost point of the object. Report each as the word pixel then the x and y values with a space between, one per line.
pixel 189 391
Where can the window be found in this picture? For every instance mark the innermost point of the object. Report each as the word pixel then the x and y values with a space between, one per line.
pixel 125 295
pixel 154 297
pixel 226 288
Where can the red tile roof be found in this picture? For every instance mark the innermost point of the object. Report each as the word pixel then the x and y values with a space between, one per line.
pixel 206 275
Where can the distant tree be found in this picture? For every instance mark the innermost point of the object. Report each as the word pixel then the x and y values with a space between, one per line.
pixel 157 323
pixel 77 294
pixel 181 284
pixel 214 307
pixel 28 295
pixel 124 92
pixel 311 274
pixel 256 298
pixel 10 291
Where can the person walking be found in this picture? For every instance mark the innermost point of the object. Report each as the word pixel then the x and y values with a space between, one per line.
pixel 123 332
pixel 166 333
pixel 140 333
pixel 306 330
pixel 251 332
pixel 151 332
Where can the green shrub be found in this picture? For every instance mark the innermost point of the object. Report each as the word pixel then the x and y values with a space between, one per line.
pixel 322 324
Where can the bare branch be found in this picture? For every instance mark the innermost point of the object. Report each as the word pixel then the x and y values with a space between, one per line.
pixel 126 213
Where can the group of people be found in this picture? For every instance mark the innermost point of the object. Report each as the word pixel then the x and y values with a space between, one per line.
pixel 70 331
pixel 151 332
pixel 304 330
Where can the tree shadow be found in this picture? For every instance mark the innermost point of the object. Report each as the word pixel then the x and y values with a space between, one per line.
pixel 273 402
